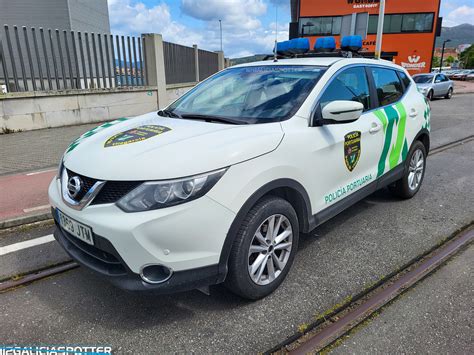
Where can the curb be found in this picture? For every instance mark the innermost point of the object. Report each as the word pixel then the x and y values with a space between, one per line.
pixel 18 221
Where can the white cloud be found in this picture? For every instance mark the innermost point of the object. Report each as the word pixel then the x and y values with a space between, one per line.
pixel 243 32
pixel 136 18
pixel 460 15
pixel 233 13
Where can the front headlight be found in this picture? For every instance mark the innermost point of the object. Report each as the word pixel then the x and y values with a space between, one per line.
pixel 159 194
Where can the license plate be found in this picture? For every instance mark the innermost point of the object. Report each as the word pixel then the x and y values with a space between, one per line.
pixel 75 228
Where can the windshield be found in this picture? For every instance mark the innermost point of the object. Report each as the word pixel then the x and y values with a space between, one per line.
pixel 421 79
pixel 256 94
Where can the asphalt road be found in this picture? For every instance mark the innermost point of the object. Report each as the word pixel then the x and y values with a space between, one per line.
pixel 435 317
pixel 341 258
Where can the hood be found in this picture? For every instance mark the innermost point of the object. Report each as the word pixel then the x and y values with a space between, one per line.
pixel 151 147
pixel 424 85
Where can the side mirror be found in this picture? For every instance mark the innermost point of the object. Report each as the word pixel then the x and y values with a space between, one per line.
pixel 342 111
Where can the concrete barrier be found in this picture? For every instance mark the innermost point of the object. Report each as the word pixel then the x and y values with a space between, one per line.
pixel 36 110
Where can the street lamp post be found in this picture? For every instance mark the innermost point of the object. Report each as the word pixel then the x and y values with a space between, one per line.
pixel 378 40
pixel 442 55
pixel 220 28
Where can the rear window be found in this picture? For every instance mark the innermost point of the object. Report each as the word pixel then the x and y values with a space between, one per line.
pixel 388 85
pixel 405 79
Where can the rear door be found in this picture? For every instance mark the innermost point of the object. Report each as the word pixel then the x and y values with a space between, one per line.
pixel 395 112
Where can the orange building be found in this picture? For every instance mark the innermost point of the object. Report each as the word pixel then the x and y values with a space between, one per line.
pixel 410 26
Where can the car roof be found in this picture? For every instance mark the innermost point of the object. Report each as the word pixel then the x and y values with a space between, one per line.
pixel 318 61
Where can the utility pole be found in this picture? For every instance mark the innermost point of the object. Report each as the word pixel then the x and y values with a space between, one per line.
pixel 442 55
pixel 378 41
pixel 276 34
pixel 220 27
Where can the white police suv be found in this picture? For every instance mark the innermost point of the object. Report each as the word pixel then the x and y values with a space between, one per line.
pixel 218 187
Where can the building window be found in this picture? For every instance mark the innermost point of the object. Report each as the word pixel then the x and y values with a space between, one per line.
pixel 320 26
pixel 399 23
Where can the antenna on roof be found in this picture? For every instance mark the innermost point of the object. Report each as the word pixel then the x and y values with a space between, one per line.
pixel 276 34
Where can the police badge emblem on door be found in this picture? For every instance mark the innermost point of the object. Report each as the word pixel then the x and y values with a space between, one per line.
pixel 352 149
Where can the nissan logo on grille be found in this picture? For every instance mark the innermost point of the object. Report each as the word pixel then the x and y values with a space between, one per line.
pixel 74 186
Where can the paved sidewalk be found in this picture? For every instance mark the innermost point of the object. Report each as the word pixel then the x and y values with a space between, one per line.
pixel 436 317
pixel 463 87
pixel 34 150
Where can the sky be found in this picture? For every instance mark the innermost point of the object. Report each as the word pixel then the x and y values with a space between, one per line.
pixel 248 26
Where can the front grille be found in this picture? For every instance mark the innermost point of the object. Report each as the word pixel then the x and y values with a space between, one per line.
pixel 87 183
pixel 111 191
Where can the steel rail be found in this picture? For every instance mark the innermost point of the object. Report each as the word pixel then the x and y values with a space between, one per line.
pixel 350 316
pixel 36 275
pixel 450 145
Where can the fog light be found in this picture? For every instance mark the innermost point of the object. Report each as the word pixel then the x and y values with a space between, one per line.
pixel 155 273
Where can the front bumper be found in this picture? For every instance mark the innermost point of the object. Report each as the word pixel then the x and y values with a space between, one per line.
pixel 424 92
pixel 186 238
pixel 104 260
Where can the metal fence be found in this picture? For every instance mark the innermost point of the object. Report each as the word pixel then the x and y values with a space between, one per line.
pixel 180 63
pixel 44 59
pixel 208 64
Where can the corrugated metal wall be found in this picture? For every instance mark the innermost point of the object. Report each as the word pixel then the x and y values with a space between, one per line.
pixel 208 64
pixel 180 65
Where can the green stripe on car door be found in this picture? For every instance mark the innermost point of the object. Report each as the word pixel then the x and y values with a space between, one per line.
pixel 397 148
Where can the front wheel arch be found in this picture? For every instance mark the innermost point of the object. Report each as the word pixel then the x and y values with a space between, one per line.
pixel 288 189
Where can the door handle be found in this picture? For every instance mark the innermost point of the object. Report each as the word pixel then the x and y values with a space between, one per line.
pixel 413 113
pixel 375 127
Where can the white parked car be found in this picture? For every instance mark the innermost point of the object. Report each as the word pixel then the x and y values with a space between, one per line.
pixel 218 187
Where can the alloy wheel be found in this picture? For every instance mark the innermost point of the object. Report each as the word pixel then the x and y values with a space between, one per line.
pixel 270 249
pixel 415 169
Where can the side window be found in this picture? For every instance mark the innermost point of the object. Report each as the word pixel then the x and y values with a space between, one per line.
pixel 349 85
pixel 443 77
pixel 438 78
pixel 389 87
pixel 406 81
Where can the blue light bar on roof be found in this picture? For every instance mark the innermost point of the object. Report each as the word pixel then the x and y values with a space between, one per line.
pixel 325 44
pixel 294 46
pixel 351 43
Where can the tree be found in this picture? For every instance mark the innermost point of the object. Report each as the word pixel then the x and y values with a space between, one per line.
pixel 435 63
pixel 450 60
pixel 467 57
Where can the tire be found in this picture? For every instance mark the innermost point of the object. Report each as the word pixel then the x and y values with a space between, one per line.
pixel 430 95
pixel 407 186
pixel 241 259
pixel 449 94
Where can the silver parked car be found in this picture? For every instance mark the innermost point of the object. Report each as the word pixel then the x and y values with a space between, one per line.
pixel 434 85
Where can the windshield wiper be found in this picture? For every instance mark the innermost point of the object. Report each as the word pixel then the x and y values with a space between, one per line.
pixel 168 113
pixel 209 118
